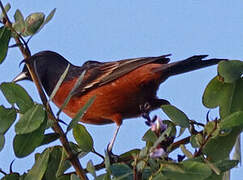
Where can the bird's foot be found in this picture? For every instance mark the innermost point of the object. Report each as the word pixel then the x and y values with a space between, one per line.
pixel 145 108
pixel 150 121
pixel 113 157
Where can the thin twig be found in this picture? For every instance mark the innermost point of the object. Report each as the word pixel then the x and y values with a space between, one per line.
pixel 177 144
pixel 135 173
pixel 11 167
pixel 14 45
pixel 196 123
pixel 197 153
pixel 1 171
pixel 98 154
pixel 8 24
pixel 56 127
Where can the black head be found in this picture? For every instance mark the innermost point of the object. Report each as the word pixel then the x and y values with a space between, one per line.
pixel 48 65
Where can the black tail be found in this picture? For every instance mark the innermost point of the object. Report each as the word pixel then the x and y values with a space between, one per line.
pixel 190 64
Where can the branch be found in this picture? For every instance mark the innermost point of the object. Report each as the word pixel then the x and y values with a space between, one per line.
pixel 177 144
pixel 56 127
pixel 127 159
pixel 197 153
pixel 100 166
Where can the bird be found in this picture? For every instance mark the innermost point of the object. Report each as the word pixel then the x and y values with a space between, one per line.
pixel 122 88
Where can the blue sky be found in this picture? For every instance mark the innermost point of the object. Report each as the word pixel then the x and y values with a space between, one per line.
pixel 110 30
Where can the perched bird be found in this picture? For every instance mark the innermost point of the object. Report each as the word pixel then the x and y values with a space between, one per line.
pixel 121 87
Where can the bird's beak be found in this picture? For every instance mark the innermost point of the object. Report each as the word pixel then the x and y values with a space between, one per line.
pixel 24 75
pixel 21 76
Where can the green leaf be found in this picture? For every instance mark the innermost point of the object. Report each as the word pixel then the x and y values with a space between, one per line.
pixel 176 115
pixel 90 168
pixel 54 162
pixel 14 93
pixel 153 165
pixel 83 138
pixel 6 8
pixel 230 70
pixel 39 168
pixel 77 150
pixel 140 166
pixel 22 176
pixel 162 137
pixel 214 168
pixel 7 118
pixel 2 141
pixel 64 164
pixel 160 176
pixel 147 172
pixel 172 126
pixel 5 35
pixel 80 114
pixel 143 153
pixel 105 176
pixel 225 165
pixel 59 82
pixel 33 23
pixel 214 93
pixel 228 96
pixel 19 24
pixel 25 144
pixel 107 162
pixel 211 128
pixel 31 120
pixel 192 170
pixel 150 136
pixel 74 177
pixel 234 120
pixel 48 138
pixel 196 140
pixel 64 177
pixel 50 16
pixel 220 146
pixel 130 153
pixel 121 171
pixel 237 150
pixel 44 22
pixel 185 151
pixel 13 176
pixel 18 16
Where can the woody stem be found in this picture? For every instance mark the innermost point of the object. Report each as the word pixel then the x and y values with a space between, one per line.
pixel 56 127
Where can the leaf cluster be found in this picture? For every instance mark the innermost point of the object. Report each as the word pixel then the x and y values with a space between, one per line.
pixel 205 152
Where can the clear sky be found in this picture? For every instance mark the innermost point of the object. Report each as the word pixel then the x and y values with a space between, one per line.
pixel 107 30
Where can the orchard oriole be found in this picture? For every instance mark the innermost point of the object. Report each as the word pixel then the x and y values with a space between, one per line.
pixel 121 87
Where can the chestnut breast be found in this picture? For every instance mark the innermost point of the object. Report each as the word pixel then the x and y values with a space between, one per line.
pixel 120 97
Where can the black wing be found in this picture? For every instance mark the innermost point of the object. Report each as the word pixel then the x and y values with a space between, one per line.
pixel 98 74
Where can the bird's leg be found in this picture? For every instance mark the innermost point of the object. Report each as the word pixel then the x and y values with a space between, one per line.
pixel 113 157
pixel 118 120
pixel 110 146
